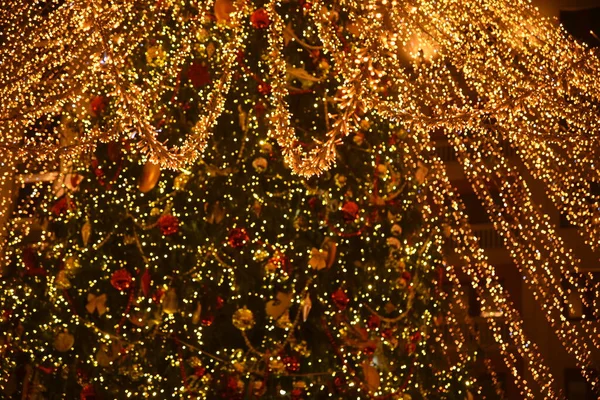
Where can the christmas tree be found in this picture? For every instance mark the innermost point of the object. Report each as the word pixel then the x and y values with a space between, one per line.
pixel 277 265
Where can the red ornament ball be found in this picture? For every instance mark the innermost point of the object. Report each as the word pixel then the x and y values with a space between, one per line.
pixel 340 299
pixel 260 19
pixel 264 88
pixel 168 224
pixel 237 237
pixel 292 364
pixel 198 74
pixel 369 350
pixel 98 105
pixel 121 279
pixel 87 393
pixel 207 319
pixel 61 206
pixel 373 322
pixel 350 211
pixel 387 334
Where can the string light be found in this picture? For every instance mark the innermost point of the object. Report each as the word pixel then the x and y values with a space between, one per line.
pixel 487 75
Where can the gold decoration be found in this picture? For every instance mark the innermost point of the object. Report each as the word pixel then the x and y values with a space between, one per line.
pixel 318 259
pixel 276 365
pixel 72 264
pixel 108 353
pixel 64 341
pixel 86 232
pixel 243 319
pixel 284 322
pixel 421 173
pixel 197 314
pixel 324 257
pixel 223 10
pixel 149 177
pixel 306 306
pixel 301 348
pixel 371 376
pixel 181 180
pixel 275 308
pixel 62 280
pixel 260 164
pixel 216 214
pixel 170 302
pixel 96 303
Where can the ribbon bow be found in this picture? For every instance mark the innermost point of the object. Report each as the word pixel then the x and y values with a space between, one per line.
pixel 96 303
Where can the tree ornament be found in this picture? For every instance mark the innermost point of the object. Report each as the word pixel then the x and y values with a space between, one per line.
pixel 284 321
pixel 301 348
pixel 168 224
pixel 260 19
pixel 243 319
pixel 318 259
pixel 198 74
pixel 259 388
pixel 96 303
pixel 358 138
pixel 62 281
pixel 404 280
pixel 64 341
pixel 329 246
pixel 31 263
pixel 264 88
pixel 121 279
pixel 324 257
pixel 350 211
pixel 197 314
pixel 396 230
pixel 223 10
pixel 181 180
pixel 340 299
pixel 421 173
pixel 145 282
pixel 207 318
pixel 369 350
pixel 260 164
pixel 170 302
pixel 393 242
pixel 107 353
pixel 237 237
pixel 373 322
pixel 149 178
pixel 275 308
pixel 277 365
pixel 292 365
pixel 340 180
pixel 98 105
pixel 72 265
pixel 216 214
pixel 61 206
pixel 88 392
pixel 371 376
pixel 257 208
pixel 306 306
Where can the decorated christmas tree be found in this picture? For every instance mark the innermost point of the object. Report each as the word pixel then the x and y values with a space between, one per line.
pixel 285 229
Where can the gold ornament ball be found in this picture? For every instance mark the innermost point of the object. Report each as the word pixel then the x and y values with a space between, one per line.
pixel 64 341
pixel 243 319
